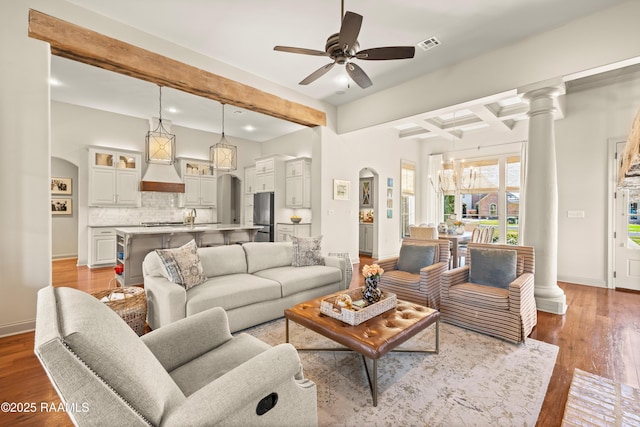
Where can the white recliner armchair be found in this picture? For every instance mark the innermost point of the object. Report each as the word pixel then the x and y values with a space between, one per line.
pixel 189 373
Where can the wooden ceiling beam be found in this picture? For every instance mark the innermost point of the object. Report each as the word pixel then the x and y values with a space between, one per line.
pixel 83 45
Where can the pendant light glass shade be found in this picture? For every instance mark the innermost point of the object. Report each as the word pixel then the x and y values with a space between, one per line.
pixel 224 156
pixel 160 145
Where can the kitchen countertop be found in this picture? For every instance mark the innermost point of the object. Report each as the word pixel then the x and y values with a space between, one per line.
pixel 185 228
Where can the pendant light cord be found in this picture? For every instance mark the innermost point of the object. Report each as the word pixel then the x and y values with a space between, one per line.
pixel 160 103
pixel 222 121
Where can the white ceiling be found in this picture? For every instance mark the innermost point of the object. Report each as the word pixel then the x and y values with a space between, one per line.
pixel 243 34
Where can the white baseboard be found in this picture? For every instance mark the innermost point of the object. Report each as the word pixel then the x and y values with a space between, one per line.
pixel 17 328
pixel 583 281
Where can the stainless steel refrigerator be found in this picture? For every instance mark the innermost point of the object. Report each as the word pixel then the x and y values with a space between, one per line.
pixel 263 216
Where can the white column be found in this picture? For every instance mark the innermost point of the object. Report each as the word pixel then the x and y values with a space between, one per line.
pixel 541 193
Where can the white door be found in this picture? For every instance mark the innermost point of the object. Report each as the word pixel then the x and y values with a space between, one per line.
pixel 627 236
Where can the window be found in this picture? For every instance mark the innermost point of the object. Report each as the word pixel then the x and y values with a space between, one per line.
pixel 484 192
pixel 407 196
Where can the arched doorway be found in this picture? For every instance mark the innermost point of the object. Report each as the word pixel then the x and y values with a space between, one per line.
pixel 368 212
pixel 64 209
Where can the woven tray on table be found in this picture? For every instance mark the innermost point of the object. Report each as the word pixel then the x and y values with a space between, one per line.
pixel 356 315
pixel 132 308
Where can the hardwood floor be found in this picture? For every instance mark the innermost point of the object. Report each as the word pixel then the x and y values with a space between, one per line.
pixel 600 334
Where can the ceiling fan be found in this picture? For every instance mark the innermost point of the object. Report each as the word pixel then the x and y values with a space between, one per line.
pixel 343 47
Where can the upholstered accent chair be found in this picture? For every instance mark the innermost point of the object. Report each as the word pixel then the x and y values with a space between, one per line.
pixel 192 372
pixel 493 292
pixel 411 278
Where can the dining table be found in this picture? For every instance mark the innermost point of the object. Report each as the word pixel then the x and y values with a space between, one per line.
pixel 455 240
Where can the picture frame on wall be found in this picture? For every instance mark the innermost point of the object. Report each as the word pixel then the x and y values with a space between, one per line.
pixel 366 192
pixel 61 206
pixel 61 185
pixel 341 189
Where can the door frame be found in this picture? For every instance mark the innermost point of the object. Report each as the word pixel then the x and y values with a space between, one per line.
pixel 612 190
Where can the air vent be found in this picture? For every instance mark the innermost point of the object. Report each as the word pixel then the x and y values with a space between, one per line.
pixel 429 43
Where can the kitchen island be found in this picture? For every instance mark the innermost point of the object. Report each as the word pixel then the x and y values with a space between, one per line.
pixel 134 243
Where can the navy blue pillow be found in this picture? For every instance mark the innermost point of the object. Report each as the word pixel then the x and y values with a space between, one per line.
pixel 414 257
pixel 493 267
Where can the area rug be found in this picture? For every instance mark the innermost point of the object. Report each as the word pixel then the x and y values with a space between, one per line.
pixel 475 380
pixel 598 401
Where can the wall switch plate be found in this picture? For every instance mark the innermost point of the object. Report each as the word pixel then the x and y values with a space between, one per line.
pixel 575 214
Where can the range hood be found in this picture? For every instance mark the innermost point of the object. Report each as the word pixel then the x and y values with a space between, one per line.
pixel 163 178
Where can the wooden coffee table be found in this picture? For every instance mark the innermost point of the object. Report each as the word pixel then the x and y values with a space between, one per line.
pixel 373 338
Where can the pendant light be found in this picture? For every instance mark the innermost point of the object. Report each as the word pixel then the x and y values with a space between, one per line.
pixel 224 156
pixel 160 144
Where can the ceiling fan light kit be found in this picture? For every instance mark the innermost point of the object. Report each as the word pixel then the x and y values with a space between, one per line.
pixel 343 48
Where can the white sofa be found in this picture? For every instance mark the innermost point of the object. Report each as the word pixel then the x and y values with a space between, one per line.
pixel 253 283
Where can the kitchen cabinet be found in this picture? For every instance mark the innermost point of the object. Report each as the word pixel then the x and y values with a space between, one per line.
pixel 366 238
pixel 114 177
pixel 102 246
pixel 248 209
pixel 200 184
pixel 250 179
pixel 298 183
pixel 265 177
pixel 284 231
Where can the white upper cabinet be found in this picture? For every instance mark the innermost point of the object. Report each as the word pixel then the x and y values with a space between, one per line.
pixel 114 177
pixel 200 184
pixel 298 183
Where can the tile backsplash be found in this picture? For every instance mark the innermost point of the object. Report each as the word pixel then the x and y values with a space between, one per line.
pixel 155 207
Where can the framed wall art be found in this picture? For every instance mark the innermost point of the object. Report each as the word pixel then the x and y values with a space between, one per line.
pixel 61 206
pixel 340 189
pixel 366 192
pixel 60 185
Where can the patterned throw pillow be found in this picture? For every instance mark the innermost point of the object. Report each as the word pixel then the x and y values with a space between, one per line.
pixel 306 251
pixel 183 265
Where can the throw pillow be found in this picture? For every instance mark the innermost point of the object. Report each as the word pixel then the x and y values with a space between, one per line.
pixel 306 251
pixel 183 265
pixel 493 267
pixel 414 257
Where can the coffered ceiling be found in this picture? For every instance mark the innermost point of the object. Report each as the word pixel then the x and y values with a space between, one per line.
pixel 243 34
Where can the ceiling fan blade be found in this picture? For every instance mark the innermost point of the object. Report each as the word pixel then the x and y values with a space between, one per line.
pixel 300 50
pixel 391 52
pixel 349 30
pixel 317 74
pixel 358 75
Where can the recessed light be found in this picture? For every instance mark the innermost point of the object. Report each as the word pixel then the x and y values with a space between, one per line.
pixel 172 109
pixel 249 128
pixel 54 82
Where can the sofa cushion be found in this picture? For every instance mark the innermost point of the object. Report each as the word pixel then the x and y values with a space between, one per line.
pixel 414 257
pixel 231 291
pixel 306 251
pixel 263 255
pixel 183 265
pixel 480 296
pixel 298 279
pixel 492 267
pixel 223 260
